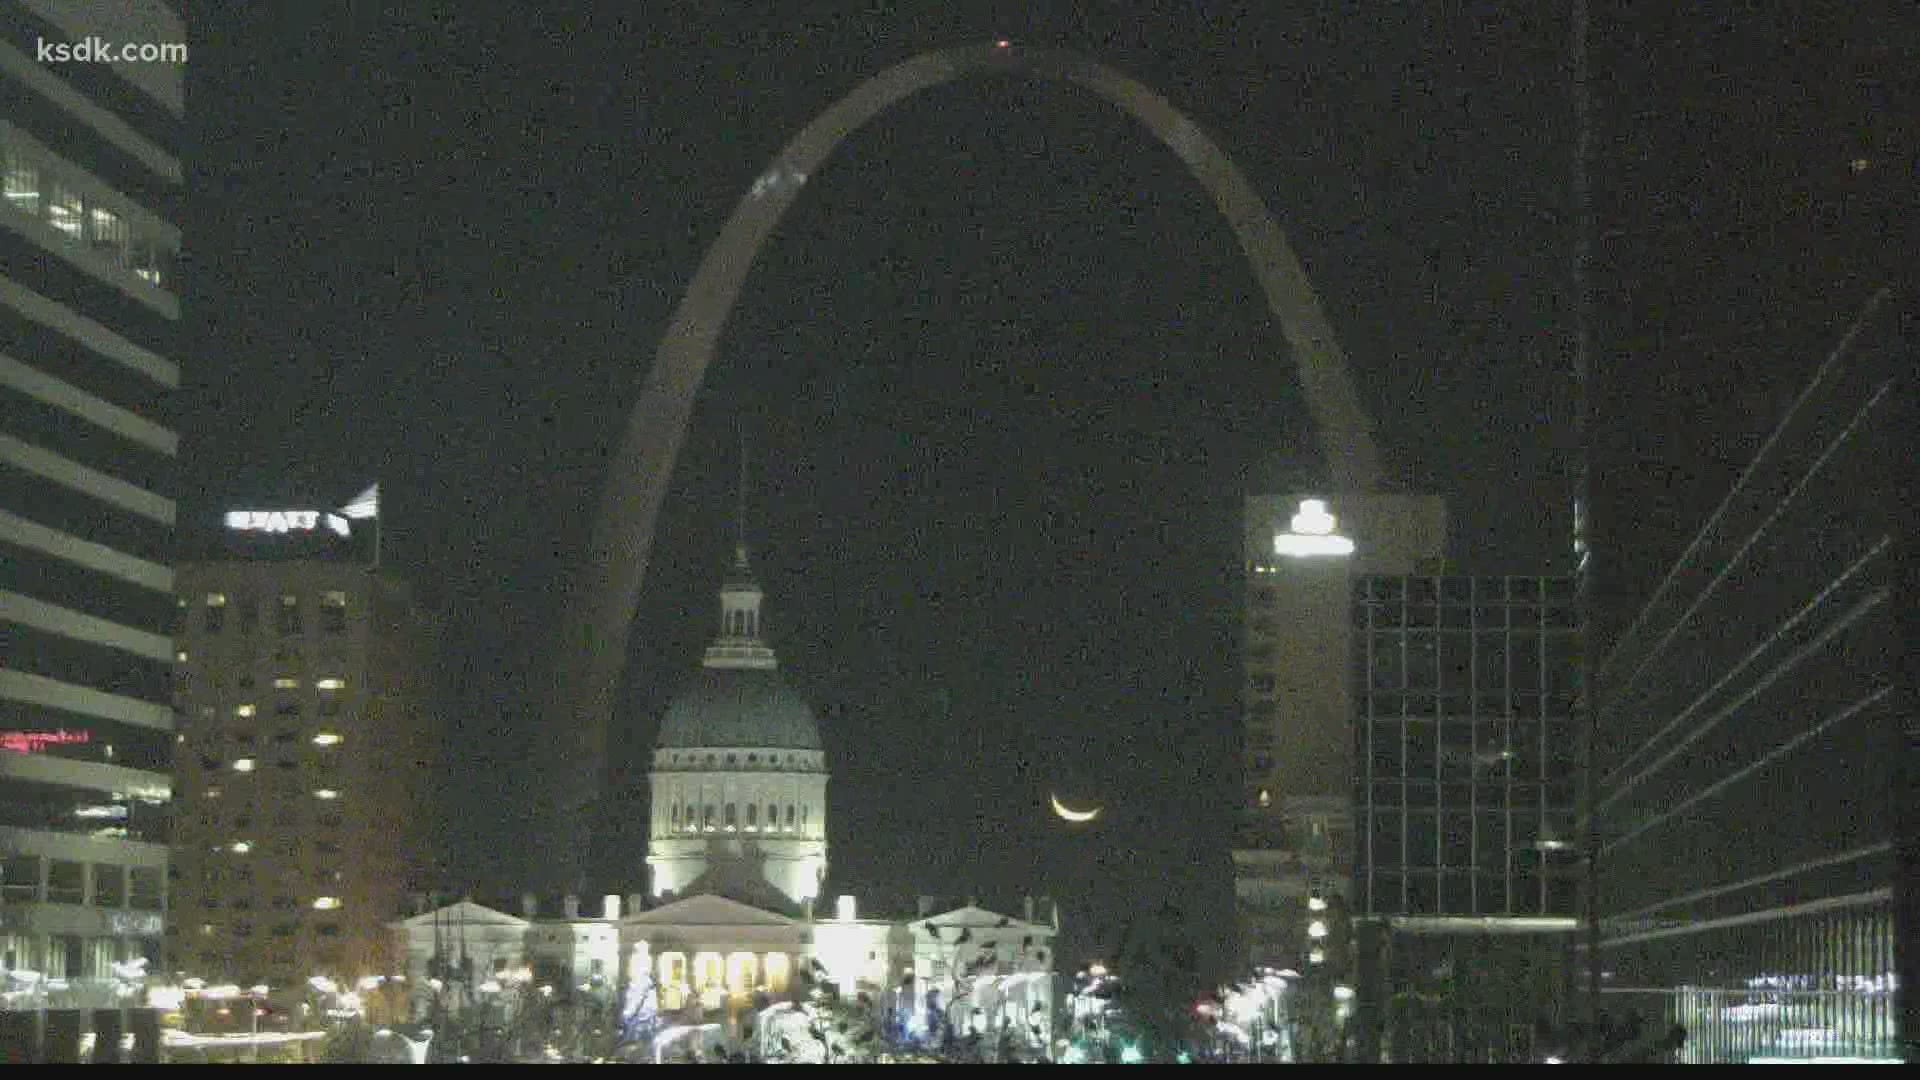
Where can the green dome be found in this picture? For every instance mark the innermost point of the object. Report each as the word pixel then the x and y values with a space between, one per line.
pixel 743 707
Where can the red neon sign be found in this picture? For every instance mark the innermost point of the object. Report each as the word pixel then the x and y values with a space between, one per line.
pixel 32 742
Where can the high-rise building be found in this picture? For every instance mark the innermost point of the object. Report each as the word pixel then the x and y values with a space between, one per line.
pixel 91 113
pixel 1753 186
pixel 1463 737
pixel 1463 860
pixel 305 771
pixel 1293 853
pixel 1756 742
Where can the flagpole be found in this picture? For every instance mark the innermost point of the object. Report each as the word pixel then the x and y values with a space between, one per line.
pixel 364 506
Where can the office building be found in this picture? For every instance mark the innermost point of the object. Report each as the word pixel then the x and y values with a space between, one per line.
pixel 1463 735
pixel 1294 844
pixel 1464 870
pixel 89 355
pixel 1755 755
pixel 306 769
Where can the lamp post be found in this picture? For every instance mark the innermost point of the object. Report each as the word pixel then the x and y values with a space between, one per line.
pixel 254 997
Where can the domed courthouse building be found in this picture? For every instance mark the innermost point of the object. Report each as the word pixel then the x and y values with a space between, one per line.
pixel 739 778
pixel 737 859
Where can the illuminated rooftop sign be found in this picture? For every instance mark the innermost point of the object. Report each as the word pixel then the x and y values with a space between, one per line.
pixel 287 521
pixel 1311 533
pixel 32 742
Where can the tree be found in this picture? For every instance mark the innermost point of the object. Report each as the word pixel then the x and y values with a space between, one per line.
pixel 1466 1007
pixel 1158 988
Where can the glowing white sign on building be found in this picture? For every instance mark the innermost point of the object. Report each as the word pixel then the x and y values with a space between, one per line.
pixel 1312 533
pixel 286 521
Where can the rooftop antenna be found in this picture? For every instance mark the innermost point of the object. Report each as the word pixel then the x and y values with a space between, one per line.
pixel 740 510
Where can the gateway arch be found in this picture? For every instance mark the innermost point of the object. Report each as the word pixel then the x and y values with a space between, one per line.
pixel 605 593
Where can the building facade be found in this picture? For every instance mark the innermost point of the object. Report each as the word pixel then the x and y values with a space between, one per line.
pixel 89 347
pixel 305 769
pixel 1293 852
pixel 1463 736
pixel 716 960
pixel 1465 877
pixel 1756 740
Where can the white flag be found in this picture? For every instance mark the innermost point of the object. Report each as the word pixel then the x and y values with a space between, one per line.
pixel 364 505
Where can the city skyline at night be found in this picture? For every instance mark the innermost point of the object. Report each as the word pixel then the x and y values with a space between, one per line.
pixel 947 604
pixel 1056 378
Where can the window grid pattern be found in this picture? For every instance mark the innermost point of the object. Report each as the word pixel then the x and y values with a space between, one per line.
pixel 1464 746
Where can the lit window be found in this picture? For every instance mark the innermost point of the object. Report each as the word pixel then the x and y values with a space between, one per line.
pixel 333 612
pixel 326 903
pixel 67 212
pixel 244 764
pixel 22 184
pixel 151 262
pixel 326 738
pixel 240 847
pixel 286 683
pixel 326 793
pixel 330 684
pixel 108 233
pixel 244 712
pixel 288 619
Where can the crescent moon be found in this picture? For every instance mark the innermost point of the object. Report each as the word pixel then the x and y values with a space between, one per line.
pixel 1076 816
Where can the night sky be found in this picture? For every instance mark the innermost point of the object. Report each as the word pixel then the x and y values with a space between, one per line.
pixel 1003 371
